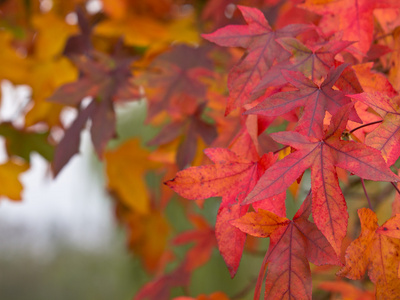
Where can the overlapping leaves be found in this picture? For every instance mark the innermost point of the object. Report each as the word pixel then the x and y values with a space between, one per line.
pixel 259 40
pixel 322 155
pixel 105 80
pixel 293 243
pixel 347 50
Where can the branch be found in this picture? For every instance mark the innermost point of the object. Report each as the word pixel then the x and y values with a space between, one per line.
pixel 366 194
pixel 241 294
pixel 395 186
pixel 365 125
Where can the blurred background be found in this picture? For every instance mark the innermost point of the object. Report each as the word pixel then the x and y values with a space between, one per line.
pixel 62 241
pixel 79 236
pixel 100 224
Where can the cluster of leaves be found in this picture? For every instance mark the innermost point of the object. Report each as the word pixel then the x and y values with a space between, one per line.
pixel 297 109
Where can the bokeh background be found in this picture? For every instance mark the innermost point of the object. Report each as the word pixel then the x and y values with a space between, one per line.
pixel 80 235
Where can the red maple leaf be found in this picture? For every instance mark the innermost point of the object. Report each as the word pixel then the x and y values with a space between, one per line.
pixel 190 127
pixel 293 243
pixel 159 288
pixel 385 138
pixel 313 61
pixel 322 155
pixel 177 76
pixel 204 238
pixel 263 51
pixel 316 99
pixel 232 177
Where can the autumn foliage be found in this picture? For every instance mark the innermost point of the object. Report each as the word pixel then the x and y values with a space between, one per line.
pixel 286 110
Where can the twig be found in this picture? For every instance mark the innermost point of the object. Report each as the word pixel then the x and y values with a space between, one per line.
pixel 365 125
pixel 245 290
pixel 366 194
pixel 395 186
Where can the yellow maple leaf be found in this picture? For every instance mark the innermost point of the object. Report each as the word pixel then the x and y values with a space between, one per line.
pixel 147 31
pixel 13 66
pixel 44 83
pixel 10 186
pixel 125 168
pixel 52 34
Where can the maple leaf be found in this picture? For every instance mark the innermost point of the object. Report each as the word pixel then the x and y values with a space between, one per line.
pixel 22 143
pixel 14 67
pixel 227 177
pixel 147 234
pixel 180 77
pixel 348 82
pixel 106 80
pixel 316 99
pixel 378 252
pixel 80 43
pixel 127 182
pixel 386 137
pixel 232 177
pixel 372 81
pixel 368 116
pixel 51 33
pixel 190 128
pixel 293 243
pixel 44 84
pixel 314 62
pixel 354 18
pixel 230 239
pixel 10 172
pixel 347 291
pixel 391 228
pixel 140 26
pixel 204 238
pixel 159 288
pixel 322 155
pixel 263 51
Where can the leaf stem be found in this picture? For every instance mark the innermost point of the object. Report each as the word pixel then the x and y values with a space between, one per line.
pixel 245 290
pixel 395 186
pixel 366 194
pixel 365 125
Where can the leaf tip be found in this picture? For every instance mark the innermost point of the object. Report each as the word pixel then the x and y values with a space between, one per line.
pixel 170 182
pixel 232 271
pixel 205 36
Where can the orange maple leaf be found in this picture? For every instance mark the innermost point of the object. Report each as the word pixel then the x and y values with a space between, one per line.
pixel 377 250
pixel 346 290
